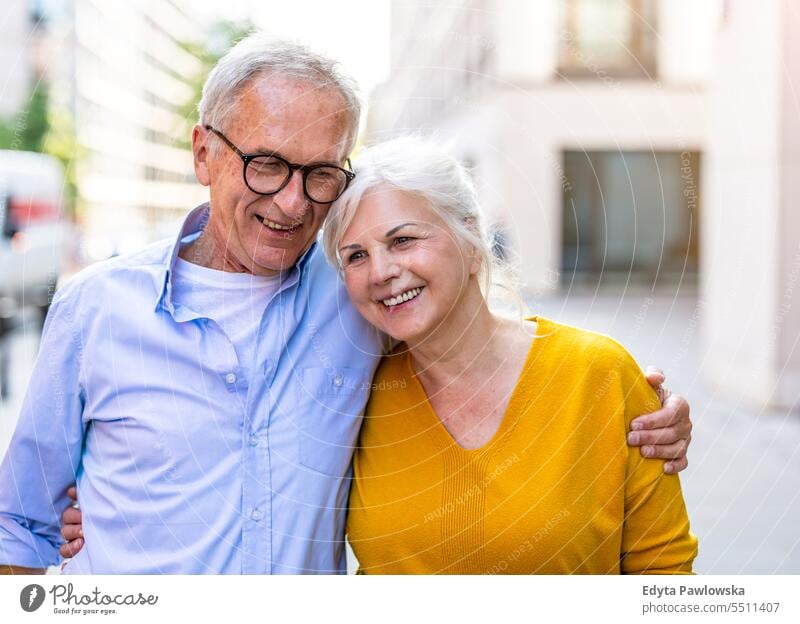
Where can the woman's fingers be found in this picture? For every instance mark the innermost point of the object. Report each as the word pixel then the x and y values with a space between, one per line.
pixel 71 516
pixel 72 532
pixel 70 549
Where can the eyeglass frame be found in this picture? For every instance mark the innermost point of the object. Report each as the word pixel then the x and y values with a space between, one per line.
pixel 248 158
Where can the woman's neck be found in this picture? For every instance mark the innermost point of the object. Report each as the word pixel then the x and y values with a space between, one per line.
pixel 468 340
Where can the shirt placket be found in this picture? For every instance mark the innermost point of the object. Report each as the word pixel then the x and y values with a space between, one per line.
pixel 257 490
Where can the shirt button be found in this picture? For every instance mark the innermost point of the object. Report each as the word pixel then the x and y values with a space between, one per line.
pixel 230 378
pixel 253 439
pixel 256 515
pixel 338 381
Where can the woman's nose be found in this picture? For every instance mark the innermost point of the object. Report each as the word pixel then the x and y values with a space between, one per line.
pixel 383 267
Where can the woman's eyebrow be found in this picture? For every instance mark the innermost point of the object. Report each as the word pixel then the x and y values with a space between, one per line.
pixel 394 230
pixel 398 227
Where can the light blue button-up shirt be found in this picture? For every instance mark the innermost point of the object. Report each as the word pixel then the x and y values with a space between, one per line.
pixel 187 461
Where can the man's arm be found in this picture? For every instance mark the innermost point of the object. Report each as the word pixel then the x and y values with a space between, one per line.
pixel 666 433
pixel 45 451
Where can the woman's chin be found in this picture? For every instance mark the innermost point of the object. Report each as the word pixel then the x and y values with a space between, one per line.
pixel 408 331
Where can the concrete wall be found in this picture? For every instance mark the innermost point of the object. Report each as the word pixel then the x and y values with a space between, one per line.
pixel 751 236
pixel 524 132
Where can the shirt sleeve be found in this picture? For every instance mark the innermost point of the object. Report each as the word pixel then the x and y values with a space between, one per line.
pixel 43 457
pixel 655 536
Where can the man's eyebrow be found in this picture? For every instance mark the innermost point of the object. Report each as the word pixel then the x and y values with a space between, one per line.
pixel 269 152
pixel 398 227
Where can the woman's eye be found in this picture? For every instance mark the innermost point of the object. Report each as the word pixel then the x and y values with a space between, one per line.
pixel 355 256
pixel 402 240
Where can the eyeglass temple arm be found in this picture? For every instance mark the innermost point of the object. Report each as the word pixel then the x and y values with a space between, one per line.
pixel 226 140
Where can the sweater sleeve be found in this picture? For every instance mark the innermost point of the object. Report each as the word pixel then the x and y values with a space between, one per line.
pixel 655 535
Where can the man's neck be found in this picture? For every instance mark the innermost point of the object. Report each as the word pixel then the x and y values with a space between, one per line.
pixel 206 252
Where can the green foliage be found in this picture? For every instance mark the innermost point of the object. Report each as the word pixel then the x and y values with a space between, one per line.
pixel 219 39
pixel 28 130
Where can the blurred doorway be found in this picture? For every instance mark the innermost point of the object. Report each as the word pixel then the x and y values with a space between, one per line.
pixel 630 215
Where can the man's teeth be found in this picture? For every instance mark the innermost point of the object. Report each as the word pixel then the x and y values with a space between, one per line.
pixel 277 226
pixel 402 298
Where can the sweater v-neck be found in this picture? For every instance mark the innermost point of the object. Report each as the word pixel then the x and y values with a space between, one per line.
pixel 522 389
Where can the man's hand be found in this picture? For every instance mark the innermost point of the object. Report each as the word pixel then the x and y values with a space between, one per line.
pixel 664 434
pixel 72 529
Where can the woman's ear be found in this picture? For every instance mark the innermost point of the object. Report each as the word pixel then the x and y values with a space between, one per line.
pixel 476 260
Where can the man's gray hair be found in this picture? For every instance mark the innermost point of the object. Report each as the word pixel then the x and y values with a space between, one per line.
pixel 258 54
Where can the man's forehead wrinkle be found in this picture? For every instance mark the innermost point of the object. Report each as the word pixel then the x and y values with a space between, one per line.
pixel 302 122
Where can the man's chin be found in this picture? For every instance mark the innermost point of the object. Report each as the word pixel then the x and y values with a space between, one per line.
pixel 277 262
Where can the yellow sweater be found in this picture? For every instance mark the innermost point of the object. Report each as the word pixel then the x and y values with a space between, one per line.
pixel 555 491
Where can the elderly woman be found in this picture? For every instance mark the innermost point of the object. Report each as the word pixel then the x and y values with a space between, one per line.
pixel 490 445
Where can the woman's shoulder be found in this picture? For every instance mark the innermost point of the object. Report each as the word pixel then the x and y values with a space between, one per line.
pixel 596 348
pixel 393 368
pixel 600 364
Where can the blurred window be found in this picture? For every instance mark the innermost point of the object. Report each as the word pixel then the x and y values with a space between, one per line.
pixel 630 214
pixel 608 38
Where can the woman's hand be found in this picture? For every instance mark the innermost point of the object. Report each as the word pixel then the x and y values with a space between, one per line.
pixel 72 529
pixel 664 434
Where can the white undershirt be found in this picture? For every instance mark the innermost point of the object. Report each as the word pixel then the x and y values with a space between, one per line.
pixel 235 301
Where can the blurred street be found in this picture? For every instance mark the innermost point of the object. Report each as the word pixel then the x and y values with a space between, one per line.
pixel 21 346
pixel 743 483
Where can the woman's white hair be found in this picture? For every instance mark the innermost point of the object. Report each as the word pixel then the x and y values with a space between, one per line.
pixel 257 55
pixel 425 168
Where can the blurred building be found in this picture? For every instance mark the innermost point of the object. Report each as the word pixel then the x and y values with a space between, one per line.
pixel 751 224
pixel 582 120
pixel 132 80
pixel 122 75
pixel 16 71
pixel 630 139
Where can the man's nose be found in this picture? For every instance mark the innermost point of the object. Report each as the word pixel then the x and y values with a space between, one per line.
pixel 291 199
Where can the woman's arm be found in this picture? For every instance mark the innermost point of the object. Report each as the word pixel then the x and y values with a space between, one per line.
pixel 655 537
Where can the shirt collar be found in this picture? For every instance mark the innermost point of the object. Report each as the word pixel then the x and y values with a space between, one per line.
pixel 192 227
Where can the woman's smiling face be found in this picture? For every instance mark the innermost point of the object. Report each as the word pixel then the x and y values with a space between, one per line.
pixel 404 269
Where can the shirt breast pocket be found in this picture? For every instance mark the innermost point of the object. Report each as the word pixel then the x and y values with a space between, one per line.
pixel 329 417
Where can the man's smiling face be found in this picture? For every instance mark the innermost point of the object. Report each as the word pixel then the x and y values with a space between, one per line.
pixel 304 124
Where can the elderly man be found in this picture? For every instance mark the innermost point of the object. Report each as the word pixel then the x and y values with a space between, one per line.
pixel 206 393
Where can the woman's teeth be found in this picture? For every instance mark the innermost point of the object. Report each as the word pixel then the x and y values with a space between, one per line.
pixel 402 298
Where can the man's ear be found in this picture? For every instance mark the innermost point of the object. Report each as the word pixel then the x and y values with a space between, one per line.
pixel 200 151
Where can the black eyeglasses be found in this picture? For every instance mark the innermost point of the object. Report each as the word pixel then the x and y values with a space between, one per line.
pixel 267 174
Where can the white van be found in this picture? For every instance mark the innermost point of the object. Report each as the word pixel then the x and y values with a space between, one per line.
pixel 33 238
pixel 33 229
